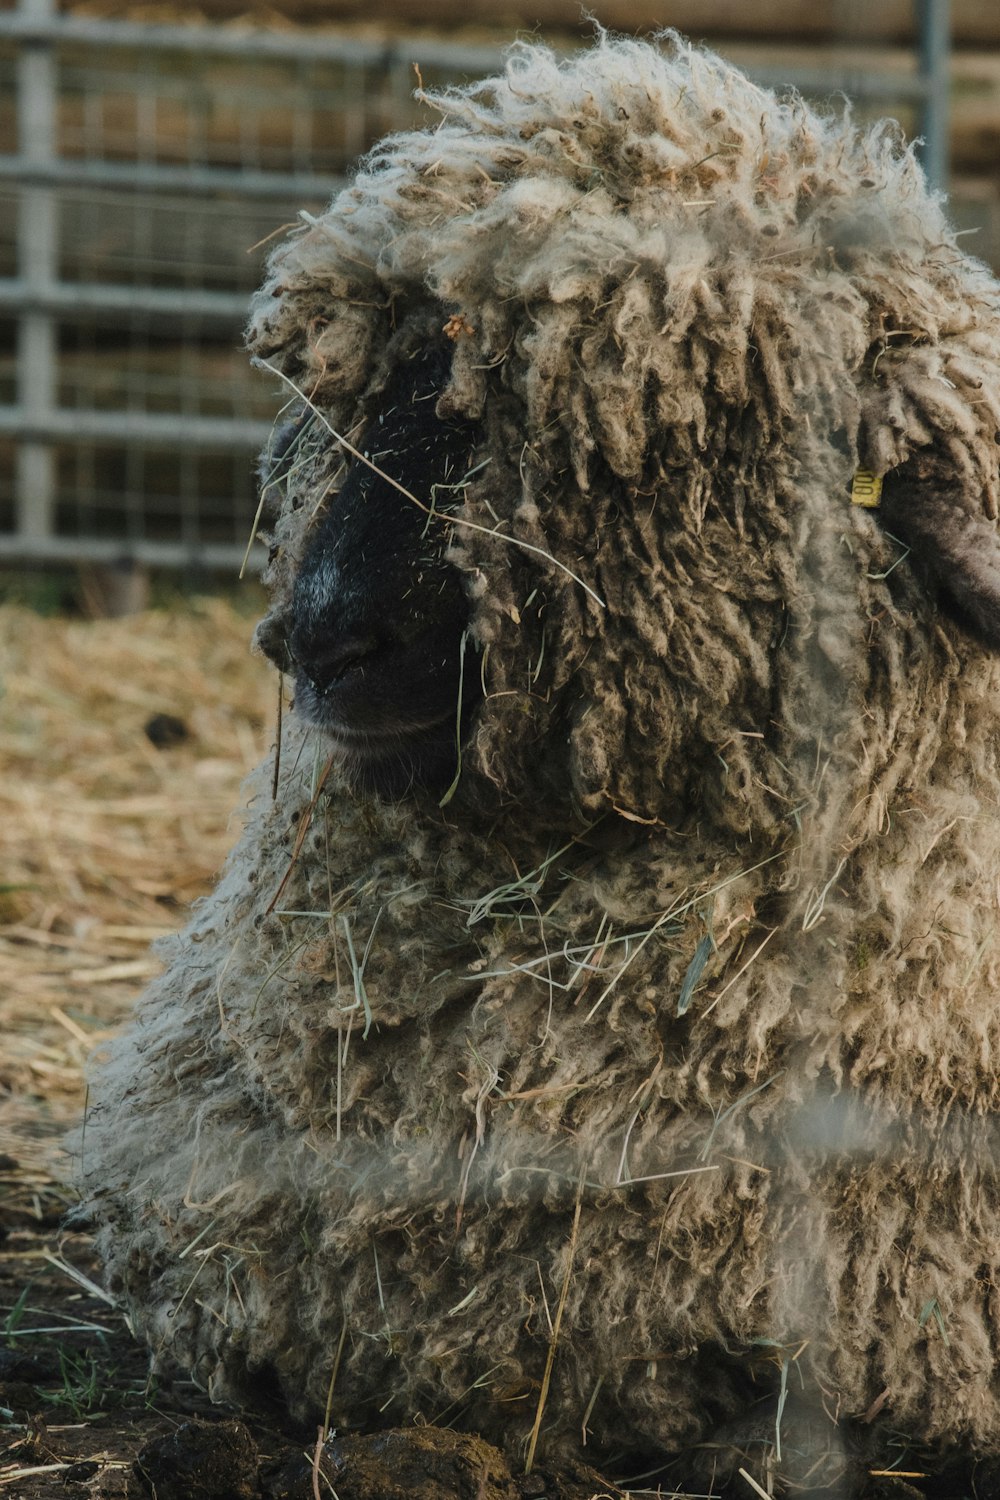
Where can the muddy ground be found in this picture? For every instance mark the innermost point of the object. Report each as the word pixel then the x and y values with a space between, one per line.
pixel 123 746
pixel 80 1417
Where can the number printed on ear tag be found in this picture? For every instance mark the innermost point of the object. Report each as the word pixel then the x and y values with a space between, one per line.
pixel 866 489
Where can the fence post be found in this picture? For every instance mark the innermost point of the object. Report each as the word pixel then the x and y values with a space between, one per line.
pixel 37 240
pixel 934 21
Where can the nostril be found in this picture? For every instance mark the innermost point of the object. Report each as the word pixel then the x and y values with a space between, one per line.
pixel 329 661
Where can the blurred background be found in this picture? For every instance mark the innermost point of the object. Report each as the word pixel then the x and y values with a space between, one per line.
pixel 150 152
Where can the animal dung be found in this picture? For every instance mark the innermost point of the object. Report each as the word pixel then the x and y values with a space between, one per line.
pixel 163 731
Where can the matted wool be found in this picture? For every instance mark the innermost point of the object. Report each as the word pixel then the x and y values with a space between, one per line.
pixel 703 945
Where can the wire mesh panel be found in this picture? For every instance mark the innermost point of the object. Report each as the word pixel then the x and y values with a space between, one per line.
pixel 144 170
pixel 175 499
pixel 134 238
pixel 279 114
pixel 143 174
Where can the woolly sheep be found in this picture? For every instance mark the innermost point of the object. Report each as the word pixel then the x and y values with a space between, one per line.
pixel 638 1082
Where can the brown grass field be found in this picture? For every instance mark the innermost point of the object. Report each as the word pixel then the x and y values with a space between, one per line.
pixel 107 840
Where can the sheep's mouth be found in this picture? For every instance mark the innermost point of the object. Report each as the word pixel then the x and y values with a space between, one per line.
pixel 376 744
pixel 387 753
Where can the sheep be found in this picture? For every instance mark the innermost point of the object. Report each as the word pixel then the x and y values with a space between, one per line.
pixel 617 1064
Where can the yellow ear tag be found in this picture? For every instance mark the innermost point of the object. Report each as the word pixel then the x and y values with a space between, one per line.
pixel 866 489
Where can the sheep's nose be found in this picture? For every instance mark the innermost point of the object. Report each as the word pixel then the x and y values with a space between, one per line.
pixel 329 661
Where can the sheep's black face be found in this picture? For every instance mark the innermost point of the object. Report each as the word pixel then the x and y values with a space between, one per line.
pixel 377 632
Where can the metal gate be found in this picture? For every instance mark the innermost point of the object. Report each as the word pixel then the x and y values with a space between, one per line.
pixel 143 170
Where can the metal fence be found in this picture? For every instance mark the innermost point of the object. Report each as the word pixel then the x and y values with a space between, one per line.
pixel 143 170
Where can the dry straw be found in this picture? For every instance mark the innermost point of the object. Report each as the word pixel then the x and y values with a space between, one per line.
pixel 107 840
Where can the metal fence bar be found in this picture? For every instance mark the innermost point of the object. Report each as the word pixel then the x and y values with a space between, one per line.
pixel 193 555
pixel 149 429
pixel 36 241
pixel 24 25
pixel 934 18
pixel 861 84
pixel 17 294
pixel 197 181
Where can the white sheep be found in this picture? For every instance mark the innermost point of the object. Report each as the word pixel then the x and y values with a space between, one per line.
pixel 607 1045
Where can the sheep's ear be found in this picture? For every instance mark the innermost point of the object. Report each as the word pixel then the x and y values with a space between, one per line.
pixel 922 504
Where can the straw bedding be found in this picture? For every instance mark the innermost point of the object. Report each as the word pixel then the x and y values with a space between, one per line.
pixel 106 840
pixel 652 1080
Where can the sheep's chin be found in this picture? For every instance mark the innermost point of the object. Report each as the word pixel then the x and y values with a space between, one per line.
pixel 389 760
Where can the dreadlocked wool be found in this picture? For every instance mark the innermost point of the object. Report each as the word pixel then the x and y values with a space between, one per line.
pixel 665 1052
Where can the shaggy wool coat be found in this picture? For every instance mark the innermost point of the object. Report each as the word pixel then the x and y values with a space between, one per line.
pixel 652 1079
